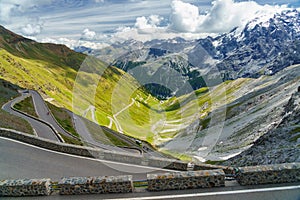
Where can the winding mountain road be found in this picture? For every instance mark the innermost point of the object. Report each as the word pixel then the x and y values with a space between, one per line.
pixel 50 128
pixel 41 129
pixel 20 160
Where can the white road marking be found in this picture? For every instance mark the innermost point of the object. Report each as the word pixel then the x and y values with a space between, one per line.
pixel 86 158
pixel 212 193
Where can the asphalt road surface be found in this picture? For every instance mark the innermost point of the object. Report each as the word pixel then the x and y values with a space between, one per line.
pixel 20 160
pixel 43 112
pixel 44 131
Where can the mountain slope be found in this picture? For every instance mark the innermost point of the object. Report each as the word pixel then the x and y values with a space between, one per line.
pixel 253 107
pixel 25 48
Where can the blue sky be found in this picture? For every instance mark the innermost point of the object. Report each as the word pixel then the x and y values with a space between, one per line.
pixel 101 21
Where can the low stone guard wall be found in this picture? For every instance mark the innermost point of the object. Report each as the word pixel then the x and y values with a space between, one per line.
pixel 123 157
pixel 25 187
pixel 203 166
pixel 167 163
pixel 280 173
pixel 96 185
pixel 186 180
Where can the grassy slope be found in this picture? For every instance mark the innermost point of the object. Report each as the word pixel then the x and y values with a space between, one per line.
pixel 57 82
pixel 9 91
pixel 26 106
pixel 63 118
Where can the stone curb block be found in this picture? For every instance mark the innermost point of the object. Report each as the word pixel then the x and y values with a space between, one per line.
pixel 266 174
pixel 121 157
pixel 25 187
pixel 186 180
pixel 95 185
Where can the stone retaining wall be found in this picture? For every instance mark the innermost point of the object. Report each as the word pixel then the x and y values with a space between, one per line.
pixel 47 144
pixel 186 180
pixel 280 173
pixel 25 187
pixel 96 185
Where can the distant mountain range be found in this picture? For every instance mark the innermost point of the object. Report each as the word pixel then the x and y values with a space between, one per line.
pixel 262 47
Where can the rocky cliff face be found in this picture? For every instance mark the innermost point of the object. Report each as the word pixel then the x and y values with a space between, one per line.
pixel 279 145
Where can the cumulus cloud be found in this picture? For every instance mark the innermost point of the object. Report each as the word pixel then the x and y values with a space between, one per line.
pixel 188 21
pixel 88 35
pixel 31 29
pixel 185 17
pixel 147 24
pixel 142 20
pixel 223 15
pixel 227 14
pixel 5 9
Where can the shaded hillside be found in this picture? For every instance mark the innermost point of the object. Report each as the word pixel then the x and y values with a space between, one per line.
pixel 46 68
